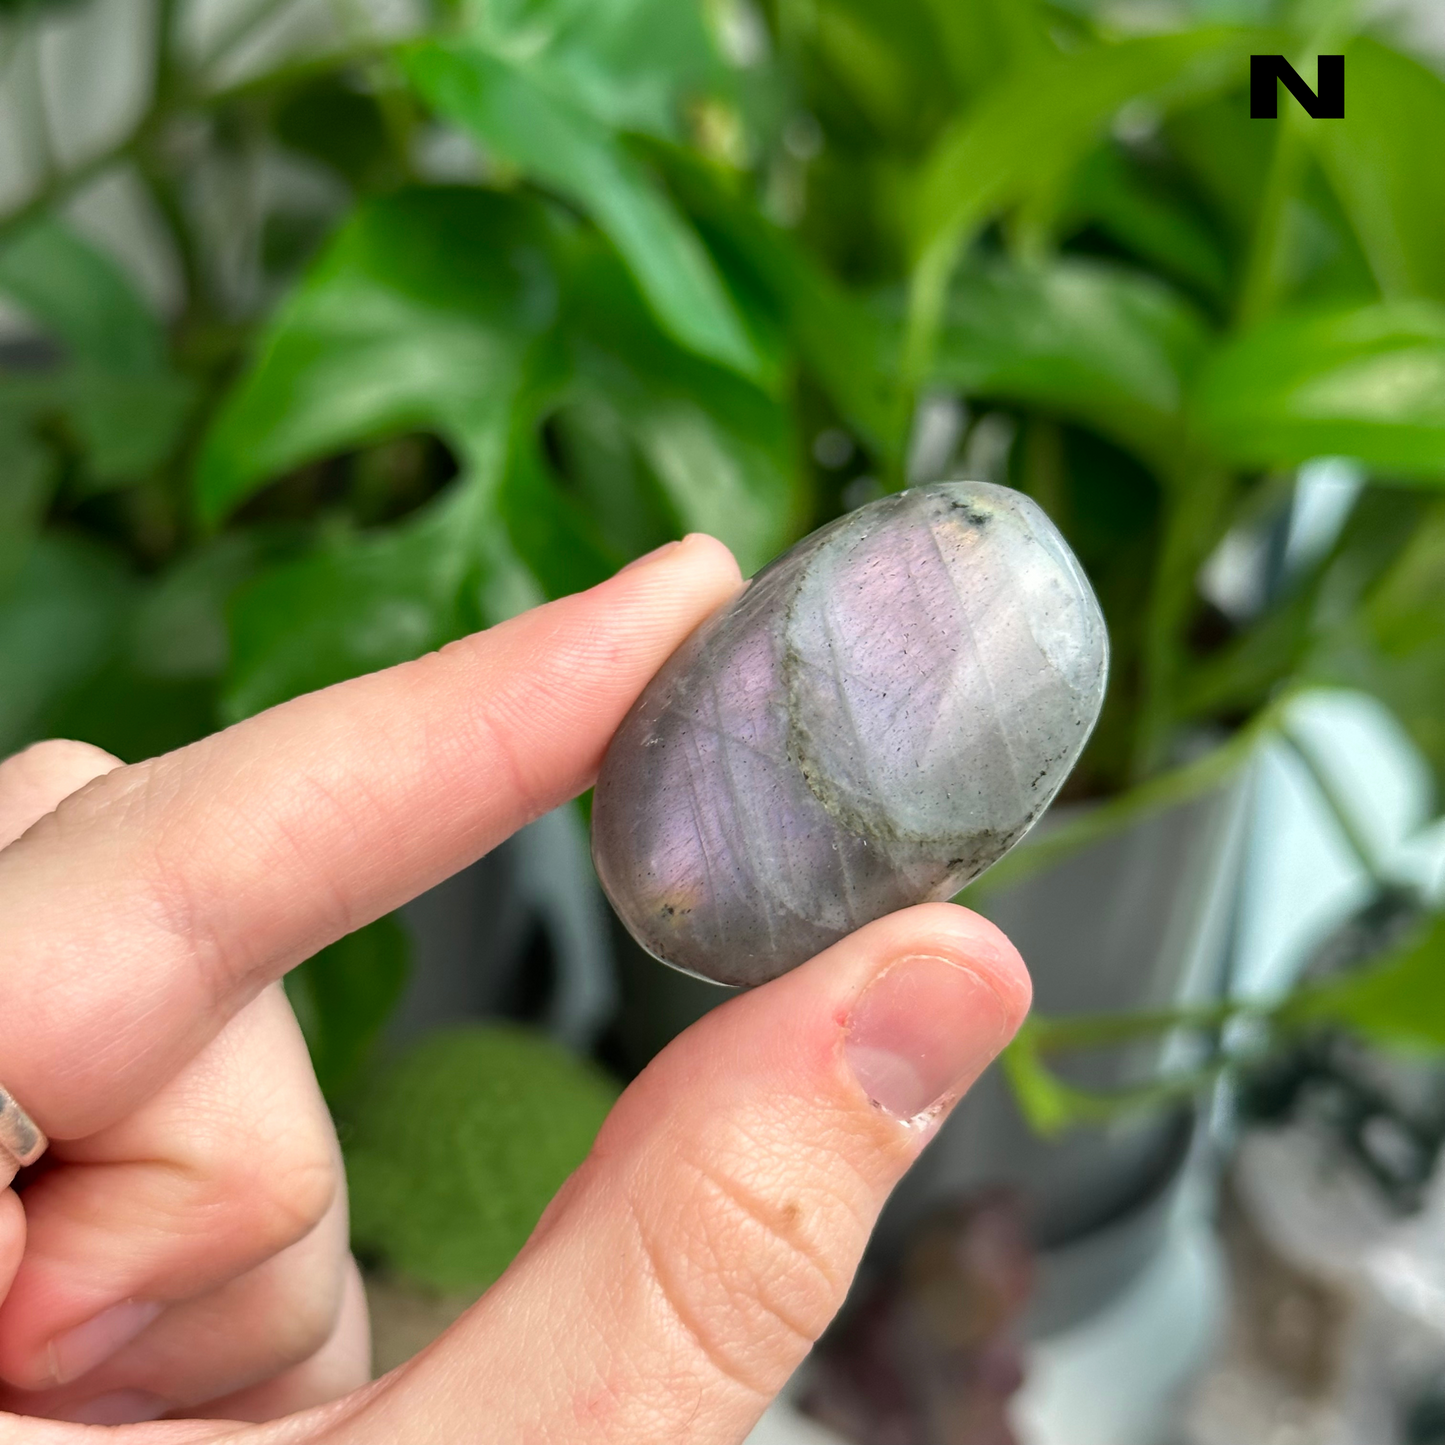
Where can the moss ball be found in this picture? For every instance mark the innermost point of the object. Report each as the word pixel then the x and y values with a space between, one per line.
pixel 453 1152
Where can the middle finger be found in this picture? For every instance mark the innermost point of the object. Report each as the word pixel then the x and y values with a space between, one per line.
pixel 141 1238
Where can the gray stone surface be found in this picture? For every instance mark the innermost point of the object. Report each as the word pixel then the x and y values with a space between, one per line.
pixel 880 716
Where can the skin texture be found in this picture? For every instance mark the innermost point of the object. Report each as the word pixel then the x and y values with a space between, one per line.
pixel 181 1250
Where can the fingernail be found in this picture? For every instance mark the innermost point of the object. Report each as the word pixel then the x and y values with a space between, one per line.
pixel 923 1030
pixel 120 1407
pixel 651 556
pixel 80 1350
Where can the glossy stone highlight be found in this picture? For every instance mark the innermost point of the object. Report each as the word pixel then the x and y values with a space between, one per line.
pixel 880 715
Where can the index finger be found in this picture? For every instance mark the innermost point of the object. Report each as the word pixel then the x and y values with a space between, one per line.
pixel 162 897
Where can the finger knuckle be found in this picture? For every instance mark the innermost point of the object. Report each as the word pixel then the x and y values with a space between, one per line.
pixel 305 1316
pixel 191 890
pixel 297 1297
pixel 54 755
pixel 292 1195
pixel 175 883
pixel 744 1257
pixel 36 780
pixel 280 1192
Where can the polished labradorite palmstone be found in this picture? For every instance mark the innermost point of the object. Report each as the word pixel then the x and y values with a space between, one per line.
pixel 880 715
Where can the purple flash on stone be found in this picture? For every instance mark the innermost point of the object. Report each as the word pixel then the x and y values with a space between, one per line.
pixel 880 716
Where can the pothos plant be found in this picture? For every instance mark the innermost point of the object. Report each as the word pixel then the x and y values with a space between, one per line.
pixel 465 311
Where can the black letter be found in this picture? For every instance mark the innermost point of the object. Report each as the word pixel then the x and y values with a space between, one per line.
pixel 1266 71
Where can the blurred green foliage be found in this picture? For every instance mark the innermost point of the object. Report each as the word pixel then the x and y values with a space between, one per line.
pixel 343 996
pixel 453 1152
pixel 1394 1003
pixel 556 280
pixel 709 260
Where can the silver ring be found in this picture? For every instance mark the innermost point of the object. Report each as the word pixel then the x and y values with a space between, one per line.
pixel 20 1135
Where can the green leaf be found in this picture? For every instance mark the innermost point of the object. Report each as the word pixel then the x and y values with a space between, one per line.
pixel 1029 131
pixel 353 605
pixel 1392 643
pixel 722 477
pixel 1140 214
pixel 1111 348
pixel 1045 118
pixel 631 64
pixel 61 618
pixel 132 714
pixel 128 424
pixel 453 1154
pixel 179 628
pixel 27 474
pixel 852 350
pixel 891 63
pixel 1242 675
pixel 1365 382
pixel 553 536
pixel 1226 156
pixel 82 298
pixel 984 38
pixel 1044 1099
pixel 723 451
pixel 421 314
pixel 609 478
pixel 552 138
pixel 344 995
pixel 124 406
pixel 1365 616
pixel 1396 1003
pixel 1383 159
pixel 330 119
pixel 123 425
pixel 158 684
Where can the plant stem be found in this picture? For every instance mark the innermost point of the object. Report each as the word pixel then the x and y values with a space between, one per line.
pixel 156 176
pixel 1167 790
pixel 1269 252
pixel 295 71
pixel 34 104
pixel 1087 1031
pixel 1067 1104
pixel 1266 271
pixel 241 30
pixel 169 206
pixel 1052 1103
pixel 59 188
pixel 1197 497
pixel 165 60
pixel 927 302
pixel 1339 809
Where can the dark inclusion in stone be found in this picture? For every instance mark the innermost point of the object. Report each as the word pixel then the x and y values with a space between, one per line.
pixel 877 718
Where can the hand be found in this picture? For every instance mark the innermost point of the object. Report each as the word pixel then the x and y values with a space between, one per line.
pixel 183 1250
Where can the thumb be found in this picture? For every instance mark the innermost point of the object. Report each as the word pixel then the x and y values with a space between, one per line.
pixel 685 1270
